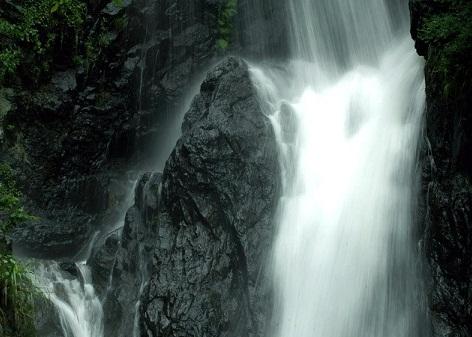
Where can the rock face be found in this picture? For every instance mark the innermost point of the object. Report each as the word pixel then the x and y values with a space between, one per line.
pixel 132 265
pixel 73 135
pixel 447 172
pixel 79 130
pixel 219 194
pixel 47 239
pixel 121 266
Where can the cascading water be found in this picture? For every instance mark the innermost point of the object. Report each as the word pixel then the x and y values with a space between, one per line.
pixel 347 114
pixel 73 294
pixel 78 307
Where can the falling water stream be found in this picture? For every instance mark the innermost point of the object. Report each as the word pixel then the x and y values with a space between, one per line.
pixel 347 114
pixel 79 308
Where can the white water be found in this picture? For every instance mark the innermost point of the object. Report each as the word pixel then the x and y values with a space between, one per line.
pixel 78 307
pixel 347 114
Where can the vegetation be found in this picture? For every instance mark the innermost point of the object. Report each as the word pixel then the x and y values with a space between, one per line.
pixel 32 30
pixel 225 23
pixel 16 287
pixel 16 299
pixel 449 34
pixel 11 212
pixel 38 35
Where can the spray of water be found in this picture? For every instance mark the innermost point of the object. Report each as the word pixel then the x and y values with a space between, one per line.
pixel 347 114
pixel 79 309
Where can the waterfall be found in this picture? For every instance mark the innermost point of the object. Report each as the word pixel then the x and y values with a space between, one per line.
pixel 347 113
pixel 71 291
pixel 78 307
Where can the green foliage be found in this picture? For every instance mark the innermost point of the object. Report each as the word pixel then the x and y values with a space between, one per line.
pixel 17 295
pixel 11 211
pixel 29 39
pixel 222 43
pixel 120 23
pixel 118 3
pixel 16 287
pixel 38 35
pixel 449 34
pixel 9 61
pixel 225 23
pixel 94 47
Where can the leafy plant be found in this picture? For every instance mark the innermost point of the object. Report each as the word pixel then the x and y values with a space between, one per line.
pixel 118 3
pixel 11 211
pixel 9 61
pixel 17 295
pixel 16 288
pixel 225 23
pixel 29 40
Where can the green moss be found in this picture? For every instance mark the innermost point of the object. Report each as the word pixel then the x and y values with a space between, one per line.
pixel 225 23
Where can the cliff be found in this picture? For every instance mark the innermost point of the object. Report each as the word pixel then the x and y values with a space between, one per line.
pixel 443 34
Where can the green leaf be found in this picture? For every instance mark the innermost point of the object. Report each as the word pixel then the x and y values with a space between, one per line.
pixel 55 7
pixel 222 44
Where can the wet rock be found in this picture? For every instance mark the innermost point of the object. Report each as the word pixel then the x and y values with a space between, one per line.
pixel 447 176
pixel 65 80
pixel 219 193
pixel 121 266
pixel 61 236
pixel 113 8
pixel 47 321
pixel 70 268
pixel 101 263
pixel 78 124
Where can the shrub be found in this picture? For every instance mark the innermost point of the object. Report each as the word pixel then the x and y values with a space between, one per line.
pixel 449 33
pixel 29 34
pixel 17 294
pixel 11 211
pixel 9 61
pixel 16 288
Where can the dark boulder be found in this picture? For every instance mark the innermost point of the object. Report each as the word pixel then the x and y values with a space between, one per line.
pixel 219 194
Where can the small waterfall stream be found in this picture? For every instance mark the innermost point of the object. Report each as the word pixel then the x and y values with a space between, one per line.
pixel 72 291
pixel 347 113
pixel 79 308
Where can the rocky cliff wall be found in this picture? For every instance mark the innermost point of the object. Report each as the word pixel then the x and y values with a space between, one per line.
pixel 443 34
